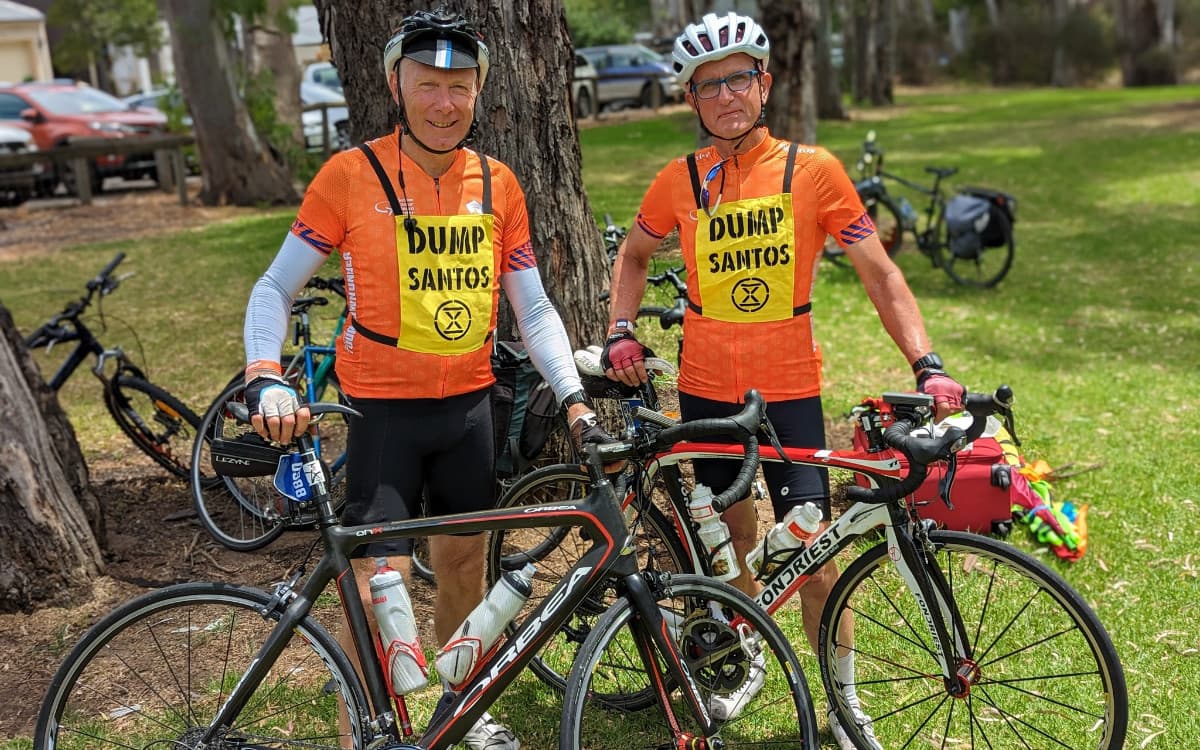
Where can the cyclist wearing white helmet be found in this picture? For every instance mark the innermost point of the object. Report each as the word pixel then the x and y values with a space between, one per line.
pixel 753 213
pixel 415 354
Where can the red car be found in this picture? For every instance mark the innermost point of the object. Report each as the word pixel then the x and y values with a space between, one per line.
pixel 60 111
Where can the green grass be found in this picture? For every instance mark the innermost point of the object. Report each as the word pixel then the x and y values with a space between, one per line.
pixel 1095 328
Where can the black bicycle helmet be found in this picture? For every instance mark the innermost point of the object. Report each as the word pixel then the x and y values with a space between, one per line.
pixel 438 38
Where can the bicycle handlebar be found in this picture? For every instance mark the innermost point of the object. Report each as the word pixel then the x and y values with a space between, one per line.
pixel 742 427
pixel 102 278
pixel 241 412
pixel 922 451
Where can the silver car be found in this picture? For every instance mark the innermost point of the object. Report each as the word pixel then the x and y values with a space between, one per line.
pixel 631 73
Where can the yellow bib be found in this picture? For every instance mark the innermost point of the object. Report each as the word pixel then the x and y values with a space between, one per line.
pixel 745 262
pixel 447 282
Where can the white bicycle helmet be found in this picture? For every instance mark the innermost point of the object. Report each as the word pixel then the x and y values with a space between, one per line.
pixel 715 38
pixel 438 39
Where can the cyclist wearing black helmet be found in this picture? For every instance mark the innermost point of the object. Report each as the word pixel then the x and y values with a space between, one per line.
pixel 427 232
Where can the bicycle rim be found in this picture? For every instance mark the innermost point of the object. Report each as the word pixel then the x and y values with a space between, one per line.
pixel 553 551
pixel 162 426
pixel 988 266
pixel 1048 675
pixel 728 644
pixel 154 672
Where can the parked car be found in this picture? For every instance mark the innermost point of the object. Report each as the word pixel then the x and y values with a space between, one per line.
pixel 59 111
pixel 583 88
pixel 168 101
pixel 338 114
pixel 324 74
pixel 630 73
pixel 18 184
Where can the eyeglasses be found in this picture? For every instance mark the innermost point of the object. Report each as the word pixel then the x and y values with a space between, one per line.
pixel 716 169
pixel 739 81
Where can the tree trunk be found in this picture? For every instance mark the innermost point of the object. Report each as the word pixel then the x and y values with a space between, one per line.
pixel 525 120
pixel 1146 35
pixel 792 111
pixel 52 520
pixel 885 53
pixel 239 167
pixel 1063 74
pixel 271 40
pixel 829 85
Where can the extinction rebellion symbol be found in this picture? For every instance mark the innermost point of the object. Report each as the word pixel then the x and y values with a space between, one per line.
pixel 452 320
pixel 750 295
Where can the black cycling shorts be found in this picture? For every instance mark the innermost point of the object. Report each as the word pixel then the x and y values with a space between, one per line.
pixel 800 423
pixel 403 446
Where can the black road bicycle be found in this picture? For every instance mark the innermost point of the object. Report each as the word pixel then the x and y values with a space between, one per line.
pixel 893 215
pixel 204 665
pixel 158 423
pixel 960 640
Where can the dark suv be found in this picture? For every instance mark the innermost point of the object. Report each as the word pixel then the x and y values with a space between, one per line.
pixel 61 111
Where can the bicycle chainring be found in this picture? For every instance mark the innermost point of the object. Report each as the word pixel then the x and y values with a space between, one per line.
pixel 714 653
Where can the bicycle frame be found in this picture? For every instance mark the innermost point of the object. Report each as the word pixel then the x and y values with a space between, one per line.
pixel 88 345
pixel 611 556
pixel 925 582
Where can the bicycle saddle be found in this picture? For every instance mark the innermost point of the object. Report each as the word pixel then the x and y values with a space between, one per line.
pixel 941 171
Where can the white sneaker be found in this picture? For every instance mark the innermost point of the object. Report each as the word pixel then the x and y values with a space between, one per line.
pixel 489 734
pixel 861 719
pixel 729 707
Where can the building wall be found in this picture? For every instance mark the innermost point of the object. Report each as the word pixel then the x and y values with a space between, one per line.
pixel 24 52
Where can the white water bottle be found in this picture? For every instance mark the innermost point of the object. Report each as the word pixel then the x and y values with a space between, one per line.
pixel 402 653
pixel 482 628
pixel 714 533
pixel 796 529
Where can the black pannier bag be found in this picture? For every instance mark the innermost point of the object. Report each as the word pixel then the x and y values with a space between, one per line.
pixel 1001 203
pixel 523 408
pixel 967 218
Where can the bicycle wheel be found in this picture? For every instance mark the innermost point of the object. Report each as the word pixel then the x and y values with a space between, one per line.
pixel 553 551
pixel 1048 675
pixel 887 226
pixel 984 268
pixel 154 672
pixel 246 513
pixel 157 422
pixel 739 660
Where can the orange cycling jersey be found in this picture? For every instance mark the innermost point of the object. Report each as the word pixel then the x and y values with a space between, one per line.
pixel 751 228
pixel 422 265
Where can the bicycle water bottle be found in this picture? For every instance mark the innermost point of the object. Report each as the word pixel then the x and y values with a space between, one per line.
pixel 796 529
pixel 403 658
pixel 908 214
pixel 713 533
pixel 482 628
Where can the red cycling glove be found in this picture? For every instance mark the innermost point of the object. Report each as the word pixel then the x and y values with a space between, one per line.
pixel 621 351
pixel 946 391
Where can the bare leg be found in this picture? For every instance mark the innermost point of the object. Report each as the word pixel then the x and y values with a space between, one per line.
pixel 742 520
pixel 458 564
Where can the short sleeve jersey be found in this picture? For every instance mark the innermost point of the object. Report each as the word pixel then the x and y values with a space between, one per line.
pixel 722 358
pixel 347 211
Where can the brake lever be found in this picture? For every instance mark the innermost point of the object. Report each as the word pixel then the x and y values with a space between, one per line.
pixel 768 429
pixel 947 481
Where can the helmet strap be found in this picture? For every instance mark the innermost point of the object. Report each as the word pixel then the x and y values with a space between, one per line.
pixel 761 122
pixel 406 129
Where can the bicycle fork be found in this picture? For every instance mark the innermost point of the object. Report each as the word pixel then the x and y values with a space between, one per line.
pixel 925 581
pixel 651 634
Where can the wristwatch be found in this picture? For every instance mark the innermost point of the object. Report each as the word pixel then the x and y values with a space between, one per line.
pixel 578 397
pixel 930 361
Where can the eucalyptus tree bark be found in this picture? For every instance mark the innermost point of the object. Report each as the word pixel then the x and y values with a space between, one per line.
pixel 239 166
pixel 792 110
pixel 525 120
pixel 270 40
pixel 828 77
pixel 52 520
pixel 873 23
pixel 1063 74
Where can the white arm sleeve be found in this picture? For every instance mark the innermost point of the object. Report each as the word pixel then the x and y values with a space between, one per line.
pixel 542 330
pixel 270 305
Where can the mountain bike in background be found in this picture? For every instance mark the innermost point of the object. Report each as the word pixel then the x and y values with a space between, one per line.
pixel 158 423
pixel 969 236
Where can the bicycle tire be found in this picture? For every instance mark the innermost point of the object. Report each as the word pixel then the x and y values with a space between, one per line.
pixel 1005 598
pixel 988 267
pixel 779 714
pixel 554 551
pixel 888 228
pixel 247 513
pixel 161 425
pixel 154 671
